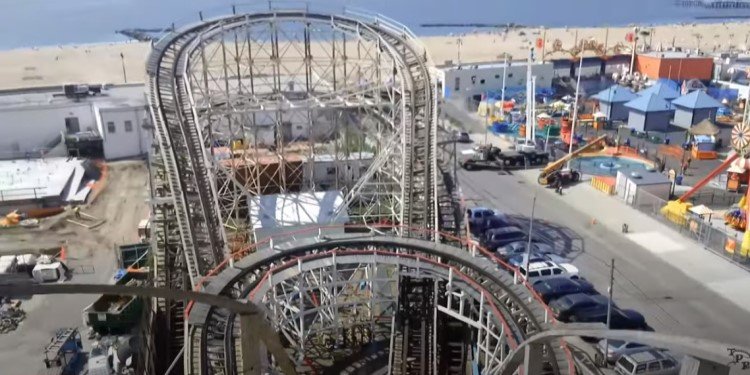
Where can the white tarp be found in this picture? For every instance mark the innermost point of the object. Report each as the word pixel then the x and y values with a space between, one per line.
pixel 283 210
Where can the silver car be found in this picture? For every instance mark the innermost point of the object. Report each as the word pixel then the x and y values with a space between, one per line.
pixel 616 349
pixel 647 362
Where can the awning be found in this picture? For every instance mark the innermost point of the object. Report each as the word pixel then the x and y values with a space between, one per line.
pixel 543 116
pixel 705 127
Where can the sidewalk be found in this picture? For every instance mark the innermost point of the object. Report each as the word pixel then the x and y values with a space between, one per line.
pixel 716 273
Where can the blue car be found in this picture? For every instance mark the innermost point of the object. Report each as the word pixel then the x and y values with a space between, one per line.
pixel 492 222
pixel 567 306
pixel 550 289
pixel 499 237
pixel 476 217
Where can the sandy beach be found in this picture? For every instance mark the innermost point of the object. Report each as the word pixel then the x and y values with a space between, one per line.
pixel 102 63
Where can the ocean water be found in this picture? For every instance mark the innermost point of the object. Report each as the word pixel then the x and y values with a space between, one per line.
pixel 28 23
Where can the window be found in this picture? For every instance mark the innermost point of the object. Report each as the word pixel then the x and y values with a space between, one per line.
pixel 534 274
pixel 627 365
pixel 331 171
pixel 71 125
pixel 111 127
pixel 654 366
pixel 640 369
pixel 497 76
pixel 667 363
pixel 128 126
pixel 556 271
pixel 457 84
pixel 546 272
pixel 510 75
pixel 481 82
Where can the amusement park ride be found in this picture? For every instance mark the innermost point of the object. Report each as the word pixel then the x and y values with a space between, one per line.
pixel 737 166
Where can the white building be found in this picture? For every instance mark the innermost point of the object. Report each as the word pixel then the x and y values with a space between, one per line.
pixel 33 121
pixel 474 79
pixel 328 172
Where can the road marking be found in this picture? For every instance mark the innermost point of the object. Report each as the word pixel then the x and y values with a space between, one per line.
pixel 656 242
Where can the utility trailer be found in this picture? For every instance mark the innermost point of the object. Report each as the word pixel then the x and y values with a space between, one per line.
pixel 491 157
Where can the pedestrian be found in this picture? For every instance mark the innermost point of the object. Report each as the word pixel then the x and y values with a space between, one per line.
pixel 684 167
pixel 558 185
pixel 77 212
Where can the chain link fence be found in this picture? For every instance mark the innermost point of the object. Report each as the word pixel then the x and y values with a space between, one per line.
pixel 712 236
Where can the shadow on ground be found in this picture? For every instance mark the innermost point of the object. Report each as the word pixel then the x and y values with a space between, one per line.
pixel 563 240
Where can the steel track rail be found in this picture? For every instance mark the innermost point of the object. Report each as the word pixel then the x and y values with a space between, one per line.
pixel 512 299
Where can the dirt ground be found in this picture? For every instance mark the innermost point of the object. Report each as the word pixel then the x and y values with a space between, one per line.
pixel 90 253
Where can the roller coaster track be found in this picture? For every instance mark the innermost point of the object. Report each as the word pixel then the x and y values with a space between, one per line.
pixel 474 275
pixel 189 236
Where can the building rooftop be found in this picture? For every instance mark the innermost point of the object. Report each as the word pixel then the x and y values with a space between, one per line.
pixel 647 178
pixel 674 55
pixel 662 89
pixel 39 178
pixel 697 99
pixel 649 103
pixel 616 94
pixel 110 97
pixel 489 65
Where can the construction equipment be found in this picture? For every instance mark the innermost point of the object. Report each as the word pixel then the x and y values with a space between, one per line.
pixel 488 156
pixel 554 171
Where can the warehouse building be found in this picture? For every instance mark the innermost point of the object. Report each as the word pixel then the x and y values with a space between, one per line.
pixel 475 79
pixel 36 122
pixel 678 66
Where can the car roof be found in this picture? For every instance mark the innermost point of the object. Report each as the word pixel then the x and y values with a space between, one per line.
pixel 647 355
pixel 579 297
pixel 473 209
pixel 505 230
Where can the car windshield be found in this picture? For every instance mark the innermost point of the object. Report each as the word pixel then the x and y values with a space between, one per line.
pixel 626 365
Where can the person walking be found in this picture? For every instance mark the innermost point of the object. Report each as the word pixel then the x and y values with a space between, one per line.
pixel 558 185
pixel 77 211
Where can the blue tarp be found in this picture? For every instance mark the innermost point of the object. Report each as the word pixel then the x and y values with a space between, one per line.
pixel 721 94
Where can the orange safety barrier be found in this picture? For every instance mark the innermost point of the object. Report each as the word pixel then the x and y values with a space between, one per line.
pixel 672 150
pixel 604 184
pixel 730 245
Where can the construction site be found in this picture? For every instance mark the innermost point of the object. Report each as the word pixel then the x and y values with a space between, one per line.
pixel 298 212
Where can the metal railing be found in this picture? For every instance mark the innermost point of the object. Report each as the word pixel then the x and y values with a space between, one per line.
pixel 722 241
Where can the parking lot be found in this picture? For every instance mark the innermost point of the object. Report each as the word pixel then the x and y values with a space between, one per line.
pixel 670 300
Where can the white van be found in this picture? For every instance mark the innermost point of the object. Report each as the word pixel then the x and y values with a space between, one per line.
pixel 647 362
pixel 540 270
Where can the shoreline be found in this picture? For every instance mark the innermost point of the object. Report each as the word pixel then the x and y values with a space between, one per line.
pixel 467 30
pixel 104 62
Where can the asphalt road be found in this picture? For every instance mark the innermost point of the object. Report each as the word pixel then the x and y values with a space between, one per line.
pixel 670 300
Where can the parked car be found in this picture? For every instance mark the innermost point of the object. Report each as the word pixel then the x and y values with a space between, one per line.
pixel 565 307
pixel 556 287
pixel 647 362
pixel 621 318
pixel 546 269
pixel 462 137
pixel 520 259
pixel 519 247
pixel 498 220
pixel 477 215
pixel 616 349
pixel 499 237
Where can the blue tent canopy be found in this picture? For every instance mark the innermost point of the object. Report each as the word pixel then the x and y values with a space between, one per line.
pixel 615 94
pixel 662 90
pixel 697 100
pixel 649 103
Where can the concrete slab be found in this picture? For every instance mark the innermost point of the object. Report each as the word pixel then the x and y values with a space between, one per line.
pixel 657 242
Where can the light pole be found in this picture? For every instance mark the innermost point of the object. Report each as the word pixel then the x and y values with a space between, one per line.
pixel 528 245
pixel 609 306
pixel 575 110
pixel 124 74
